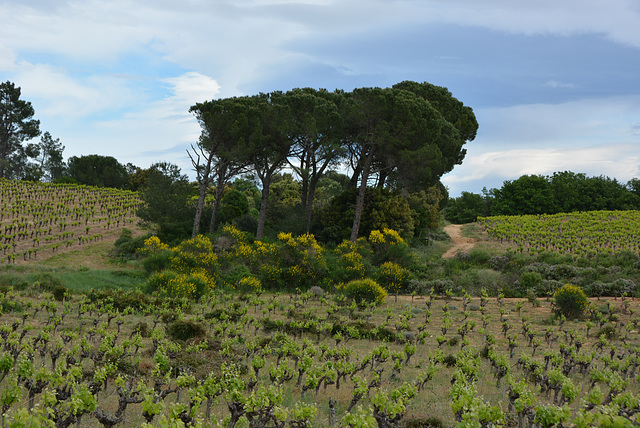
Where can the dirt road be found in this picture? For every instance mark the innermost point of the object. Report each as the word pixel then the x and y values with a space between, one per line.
pixel 460 243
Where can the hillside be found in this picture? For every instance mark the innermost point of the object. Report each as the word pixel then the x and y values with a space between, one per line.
pixel 41 220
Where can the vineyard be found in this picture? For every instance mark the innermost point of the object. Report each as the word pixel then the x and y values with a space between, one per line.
pixel 39 219
pixel 229 331
pixel 581 234
pixel 310 359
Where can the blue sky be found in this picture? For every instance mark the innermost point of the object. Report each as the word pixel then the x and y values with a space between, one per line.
pixel 555 85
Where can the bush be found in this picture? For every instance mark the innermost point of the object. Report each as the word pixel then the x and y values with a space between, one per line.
pixel 364 291
pixel 59 292
pixel 185 330
pixel 571 301
pixel 157 262
pixel 392 277
pixel 530 281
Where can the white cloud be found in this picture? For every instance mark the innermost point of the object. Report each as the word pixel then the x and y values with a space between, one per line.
pixel 193 87
pixel 59 95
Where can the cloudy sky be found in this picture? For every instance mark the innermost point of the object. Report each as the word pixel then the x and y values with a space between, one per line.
pixel 555 85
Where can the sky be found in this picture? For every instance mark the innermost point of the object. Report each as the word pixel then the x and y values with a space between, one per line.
pixel 555 85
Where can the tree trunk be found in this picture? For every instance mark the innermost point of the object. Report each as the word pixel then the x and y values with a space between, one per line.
pixel 216 203
pixel 199 208
pixel 361 195
pixel 264 202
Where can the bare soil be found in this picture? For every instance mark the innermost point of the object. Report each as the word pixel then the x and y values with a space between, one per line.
pixel 460 243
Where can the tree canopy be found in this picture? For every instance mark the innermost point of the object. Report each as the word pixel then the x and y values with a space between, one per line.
pixel 402 139
pixel 98 170
pixel 17 125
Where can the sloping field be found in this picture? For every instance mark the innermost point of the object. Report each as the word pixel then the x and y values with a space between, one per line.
pixel 578 234
pixel 38 220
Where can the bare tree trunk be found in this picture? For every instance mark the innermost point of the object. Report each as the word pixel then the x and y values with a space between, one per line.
pixel 216 203
pixel 263 207
pixel 361 194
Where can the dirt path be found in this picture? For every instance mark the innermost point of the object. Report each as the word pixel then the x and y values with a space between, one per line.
pixel 460 243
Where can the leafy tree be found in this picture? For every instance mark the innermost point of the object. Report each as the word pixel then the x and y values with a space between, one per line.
pixel 98 170
pixel 234 203
pixel 383 208
pixel 269 145
pixel 16 126
pixel 316 132
pixel 529 194
pixel 284 204
pixel 227 126
pixel 166 202
pixel 396 135
pixel 466 208
pixel 50 158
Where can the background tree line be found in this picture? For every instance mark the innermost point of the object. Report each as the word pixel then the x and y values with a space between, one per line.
pixel 562 192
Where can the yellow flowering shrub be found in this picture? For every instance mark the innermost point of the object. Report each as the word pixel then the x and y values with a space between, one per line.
pixel 172 284
pixel 388 245
pixel 392 277
pixel 152 245
pixel 249 284
pixel 235 233
pixel 571 301
pixel 194 254
pixel 363 291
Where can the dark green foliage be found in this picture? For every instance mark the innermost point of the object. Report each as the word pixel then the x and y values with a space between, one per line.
pixel 426 422
pixel 17 125
pixel 246 223
pixel 530 281
pixel 563 192
pixel 122 299
pixel 59 292
pixel 382 209
pixel 184 330
pixel 449 361
pixel 126 245
pixel 467 208
pixel 234 204
pixel 99 171
pixel 165 202
pixel 158 261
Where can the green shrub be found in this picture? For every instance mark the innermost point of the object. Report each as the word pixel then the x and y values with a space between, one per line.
pixel 185 330
pixel 364 291
pixel 571 301
pixel 59 292
pixel 530 281
pixel 479 257
pixel 158 261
